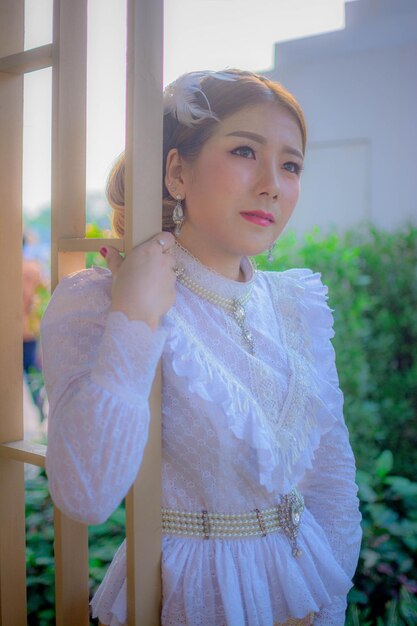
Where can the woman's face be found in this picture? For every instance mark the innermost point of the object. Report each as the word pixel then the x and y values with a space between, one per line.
pixel 243 187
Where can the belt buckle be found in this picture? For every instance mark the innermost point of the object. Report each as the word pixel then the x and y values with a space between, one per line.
pixel 289 516
pixel 206 524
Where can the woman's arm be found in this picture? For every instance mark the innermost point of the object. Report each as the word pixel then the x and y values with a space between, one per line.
pixel 329 491
pixel 99 368
pixel 329 487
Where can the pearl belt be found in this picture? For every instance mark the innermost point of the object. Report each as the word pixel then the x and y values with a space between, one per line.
pixel 284 517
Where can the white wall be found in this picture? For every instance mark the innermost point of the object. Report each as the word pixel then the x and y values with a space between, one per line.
pixel 358 89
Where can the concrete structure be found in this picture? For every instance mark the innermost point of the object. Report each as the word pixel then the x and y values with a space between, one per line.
pixel 358 88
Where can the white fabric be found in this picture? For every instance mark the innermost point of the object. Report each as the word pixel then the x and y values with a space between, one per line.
pixel 238 431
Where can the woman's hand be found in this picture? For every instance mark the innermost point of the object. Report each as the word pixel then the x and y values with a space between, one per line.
pixel 144 282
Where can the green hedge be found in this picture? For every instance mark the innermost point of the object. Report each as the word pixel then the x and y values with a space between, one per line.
pixel 385 581
pixel 372 279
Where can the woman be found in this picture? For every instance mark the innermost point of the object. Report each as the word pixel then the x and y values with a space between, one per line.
pixel 260 515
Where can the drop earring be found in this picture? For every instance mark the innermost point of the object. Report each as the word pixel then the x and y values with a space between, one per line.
pixel 270 251
pixel 178 216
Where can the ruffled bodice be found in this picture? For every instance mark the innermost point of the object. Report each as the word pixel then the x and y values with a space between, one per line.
pixel 259 418
pixel 239 430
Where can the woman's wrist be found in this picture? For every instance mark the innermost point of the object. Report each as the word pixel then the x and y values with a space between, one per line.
pixel 152 321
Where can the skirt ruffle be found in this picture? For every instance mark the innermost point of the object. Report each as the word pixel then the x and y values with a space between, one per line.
pixel 257 582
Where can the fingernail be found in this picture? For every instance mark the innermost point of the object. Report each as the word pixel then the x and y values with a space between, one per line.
pixel 103 252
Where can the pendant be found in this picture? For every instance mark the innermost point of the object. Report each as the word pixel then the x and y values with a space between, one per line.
pixel 239 315
pixel 289 515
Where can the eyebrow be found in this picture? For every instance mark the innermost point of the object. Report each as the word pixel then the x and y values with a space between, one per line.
pixel 262 140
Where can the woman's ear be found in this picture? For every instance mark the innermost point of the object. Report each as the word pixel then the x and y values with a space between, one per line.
pixel 173 173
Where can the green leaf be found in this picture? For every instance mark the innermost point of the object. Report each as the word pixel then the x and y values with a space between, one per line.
pixel 47 614
pixel 392 613
pixel 371 557
pixel 384 463
pixel 403 486
pixel 408 606
pixel 366 493
pixel 358 597
pixel 411 543
pixel 382 515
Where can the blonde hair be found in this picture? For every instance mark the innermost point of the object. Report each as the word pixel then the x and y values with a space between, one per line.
pixel 225 98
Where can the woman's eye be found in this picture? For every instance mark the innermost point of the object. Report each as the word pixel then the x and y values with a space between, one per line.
pixel 292 167
pixel 244 151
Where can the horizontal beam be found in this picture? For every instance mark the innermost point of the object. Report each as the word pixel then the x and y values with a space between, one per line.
pixel 24 451
pixel 79 244
pixel 27 61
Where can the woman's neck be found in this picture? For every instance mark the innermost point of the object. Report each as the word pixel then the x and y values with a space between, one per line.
pixel 225 264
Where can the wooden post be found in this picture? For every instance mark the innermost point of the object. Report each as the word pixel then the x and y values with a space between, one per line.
pixel 69 108
pixel 12 510
pixel 71 571
pixel 144 219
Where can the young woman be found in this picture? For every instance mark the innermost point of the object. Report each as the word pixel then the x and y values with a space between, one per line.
pixel 260 514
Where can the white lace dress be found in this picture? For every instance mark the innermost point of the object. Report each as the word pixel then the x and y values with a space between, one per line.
pixel 238 431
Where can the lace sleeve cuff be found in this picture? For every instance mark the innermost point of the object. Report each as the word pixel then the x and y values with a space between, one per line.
pixel 127 358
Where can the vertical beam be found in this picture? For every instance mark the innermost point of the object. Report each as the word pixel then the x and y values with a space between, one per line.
pixel 69 107
pixel 11 149
pixel 143 219
pixel 71 571
pixel 12 544
pixel 12 509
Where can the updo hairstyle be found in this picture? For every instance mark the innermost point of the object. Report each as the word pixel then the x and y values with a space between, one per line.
pixel 225 97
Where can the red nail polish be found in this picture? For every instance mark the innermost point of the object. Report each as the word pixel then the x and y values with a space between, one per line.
pixel 103 252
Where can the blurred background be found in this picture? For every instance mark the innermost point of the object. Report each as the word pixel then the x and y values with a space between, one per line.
pixel 352 66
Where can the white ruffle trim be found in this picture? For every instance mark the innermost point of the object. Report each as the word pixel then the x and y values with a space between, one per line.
pixel 301 290
pixel 109 603
pixel 256 582
pixel 284 449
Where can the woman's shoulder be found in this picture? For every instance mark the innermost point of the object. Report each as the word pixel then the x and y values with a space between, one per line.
pixel 297 281
pixel 301 290
pixel 85 292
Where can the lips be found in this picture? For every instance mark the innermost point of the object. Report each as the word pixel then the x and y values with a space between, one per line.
pixel 261 214
pixel 259 217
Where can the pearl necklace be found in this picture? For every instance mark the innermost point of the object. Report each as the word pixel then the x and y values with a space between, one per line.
pixel 234 306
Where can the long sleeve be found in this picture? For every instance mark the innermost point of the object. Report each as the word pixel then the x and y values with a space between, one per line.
pixel 98 368
pixel 329 487
pixel 329 491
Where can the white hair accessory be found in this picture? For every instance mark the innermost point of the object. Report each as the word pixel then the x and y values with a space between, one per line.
pixel 179 97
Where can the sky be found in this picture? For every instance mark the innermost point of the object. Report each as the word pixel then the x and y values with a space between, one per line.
pixel 198 34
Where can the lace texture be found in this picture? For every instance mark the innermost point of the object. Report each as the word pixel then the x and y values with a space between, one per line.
pixel 283 426
pixel 96 434
pixel 238 430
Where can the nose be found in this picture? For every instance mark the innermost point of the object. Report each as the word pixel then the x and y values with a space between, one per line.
pixel 269 183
